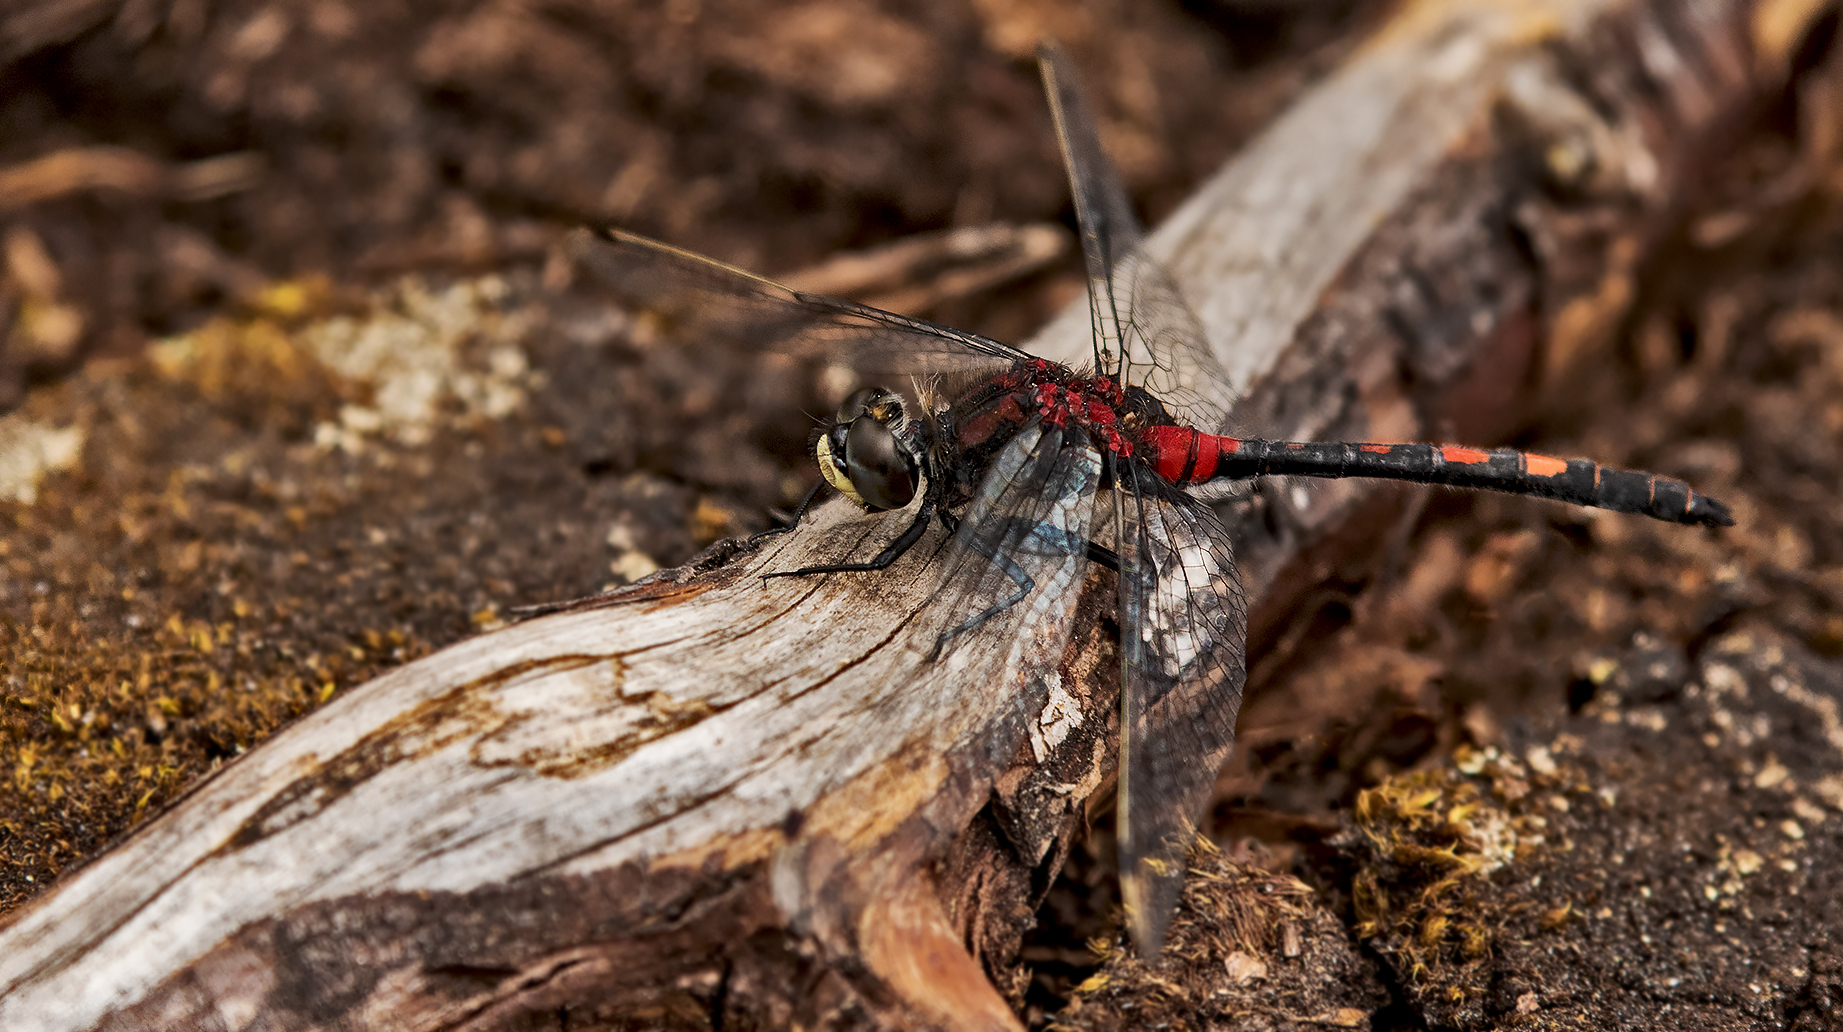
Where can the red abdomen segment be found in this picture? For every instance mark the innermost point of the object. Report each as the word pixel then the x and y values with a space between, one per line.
pixel 1185 457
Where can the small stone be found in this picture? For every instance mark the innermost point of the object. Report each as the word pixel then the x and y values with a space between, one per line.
pixel 1290 947
pixel 1245 967
pixel 1540 761
pixel 633 566
pixel 1808 811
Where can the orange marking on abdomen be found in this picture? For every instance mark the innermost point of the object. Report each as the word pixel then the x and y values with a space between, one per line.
pixel 1379 449
pixel 1545 465
pixel 1464 456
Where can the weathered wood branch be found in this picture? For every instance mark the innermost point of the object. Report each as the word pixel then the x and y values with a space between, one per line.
pixel 712 799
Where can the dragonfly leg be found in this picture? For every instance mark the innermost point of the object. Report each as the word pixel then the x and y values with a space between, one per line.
pixel 883 559
pixel 1107 557
pixel 1043 536
pixel 1025 585
pixel 793 521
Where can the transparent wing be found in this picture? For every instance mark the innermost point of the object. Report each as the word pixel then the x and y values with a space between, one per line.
pixel 1023 539
pixel 1019 557
pixel 1183 642
pixel 711 299
pixel 1144 331
pixel 1109 229
pixel 1164 349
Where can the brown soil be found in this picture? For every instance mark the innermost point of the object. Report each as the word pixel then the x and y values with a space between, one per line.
pixel 159 161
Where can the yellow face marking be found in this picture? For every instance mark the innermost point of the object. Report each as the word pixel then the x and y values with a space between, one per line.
pixel 835 474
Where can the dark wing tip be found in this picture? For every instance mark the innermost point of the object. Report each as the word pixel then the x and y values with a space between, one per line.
pixel 579 238
pixel 1150 897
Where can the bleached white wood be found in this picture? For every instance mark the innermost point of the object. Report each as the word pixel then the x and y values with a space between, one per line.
pixel 491 775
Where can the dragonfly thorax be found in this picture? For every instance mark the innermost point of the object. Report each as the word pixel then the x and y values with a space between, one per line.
pixel 1053 393
pixel 868 453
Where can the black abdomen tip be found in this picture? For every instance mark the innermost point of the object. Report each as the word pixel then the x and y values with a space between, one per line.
pixel 1703 509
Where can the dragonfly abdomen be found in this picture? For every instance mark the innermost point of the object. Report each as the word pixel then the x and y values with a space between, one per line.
pixel 1186 457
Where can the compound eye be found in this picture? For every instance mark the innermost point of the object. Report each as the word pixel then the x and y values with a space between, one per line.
pixel 874 461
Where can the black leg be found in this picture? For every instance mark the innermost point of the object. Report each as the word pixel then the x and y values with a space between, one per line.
pixel 1043 539
pixel 805 504
pixel 1099 553
pixel 883 559
pixel 1024 584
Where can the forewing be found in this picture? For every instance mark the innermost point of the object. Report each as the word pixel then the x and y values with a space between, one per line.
pixel 1183 643
pixel 1109 229
pixel 1164 348
pixel 1144 331
pixel 713 300
pixel 1020 553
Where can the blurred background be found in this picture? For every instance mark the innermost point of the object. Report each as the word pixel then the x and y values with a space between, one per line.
pixel 163 159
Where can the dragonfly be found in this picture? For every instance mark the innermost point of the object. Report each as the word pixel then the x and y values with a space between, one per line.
pixel 1035 470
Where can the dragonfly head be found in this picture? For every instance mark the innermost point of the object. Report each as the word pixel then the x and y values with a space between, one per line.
pixel 864 453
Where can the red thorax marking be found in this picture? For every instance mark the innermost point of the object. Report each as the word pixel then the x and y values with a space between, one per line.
pixel 1087 402
pixel 979 429
pixel 1050 401
pixel 1093 403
